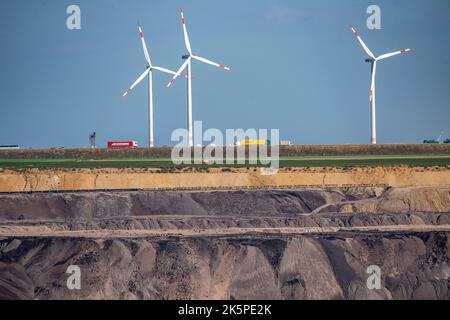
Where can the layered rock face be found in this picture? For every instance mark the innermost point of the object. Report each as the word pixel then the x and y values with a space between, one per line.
pixel 60 206
pixel 296 267
pixel 36 206
pixel 38 180
pixel 265 244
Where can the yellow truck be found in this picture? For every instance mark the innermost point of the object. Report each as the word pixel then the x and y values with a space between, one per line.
pixel 248 142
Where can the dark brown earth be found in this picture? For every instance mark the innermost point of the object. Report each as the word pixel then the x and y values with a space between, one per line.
pixel 258 203
pixel 262 244
pixel 414 266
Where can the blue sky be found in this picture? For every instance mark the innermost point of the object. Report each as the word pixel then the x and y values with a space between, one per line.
pixel 297 66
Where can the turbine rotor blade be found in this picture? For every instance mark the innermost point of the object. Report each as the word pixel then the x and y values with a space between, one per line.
pixel 366 49
pixel 178 73
pixel 186 37
pixel 141 77
pixel 164 70
pixel 388 55
pixel 144 46
pixel 211 63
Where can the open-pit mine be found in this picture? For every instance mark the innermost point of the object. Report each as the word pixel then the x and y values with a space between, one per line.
pixel 225 233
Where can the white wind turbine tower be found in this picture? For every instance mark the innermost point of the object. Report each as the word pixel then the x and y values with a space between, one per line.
pixel 188 57
pixel 148 73
pixel 373 61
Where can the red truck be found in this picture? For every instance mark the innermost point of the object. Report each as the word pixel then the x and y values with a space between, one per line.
pixel 122 144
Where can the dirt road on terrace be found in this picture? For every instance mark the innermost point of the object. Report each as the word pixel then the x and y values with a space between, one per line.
pixel 52 232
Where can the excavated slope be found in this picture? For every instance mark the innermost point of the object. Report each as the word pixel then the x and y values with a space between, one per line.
pixel 304 243
pixel 413 266
pixel 139 203
pixel 228 178
pixel 258 203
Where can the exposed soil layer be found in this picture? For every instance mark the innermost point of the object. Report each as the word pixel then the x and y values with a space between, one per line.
pixel 32 180
pixel 413 266
pixel 143 203
pixel 304 243
pixel 254 203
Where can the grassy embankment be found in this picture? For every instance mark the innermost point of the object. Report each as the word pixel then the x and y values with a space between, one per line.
pixel 307 161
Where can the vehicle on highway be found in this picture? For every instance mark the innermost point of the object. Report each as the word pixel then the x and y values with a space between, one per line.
pixel 122 144
pixel 249 142
pixel 9 147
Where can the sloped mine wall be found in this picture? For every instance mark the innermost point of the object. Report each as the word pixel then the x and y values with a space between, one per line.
pixel 413 266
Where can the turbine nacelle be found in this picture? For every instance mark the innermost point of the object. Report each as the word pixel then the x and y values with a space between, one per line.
pixel 370 60
pixel 186 56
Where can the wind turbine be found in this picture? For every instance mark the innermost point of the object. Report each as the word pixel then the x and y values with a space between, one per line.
pixel 148 73
pixel 373 62
pixel 188 63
